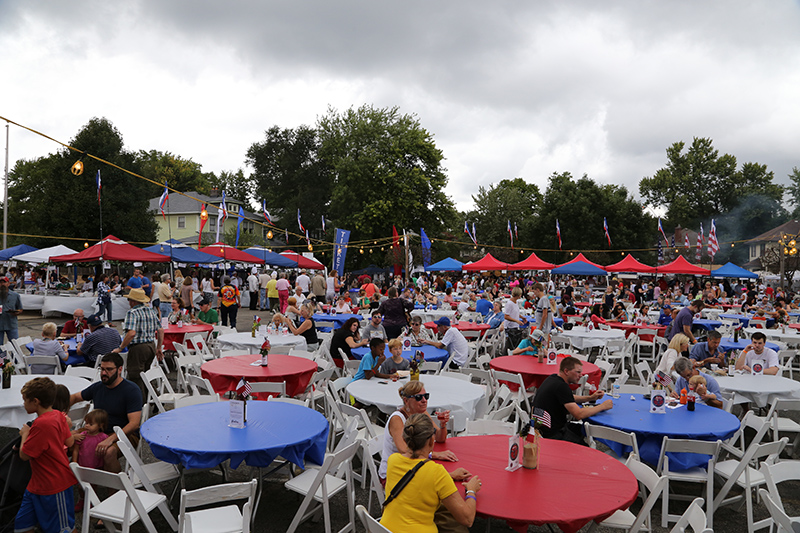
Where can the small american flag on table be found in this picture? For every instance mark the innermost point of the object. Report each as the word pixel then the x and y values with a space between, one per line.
pixel 541 416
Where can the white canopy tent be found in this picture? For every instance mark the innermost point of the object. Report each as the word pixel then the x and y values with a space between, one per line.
pixel 43 255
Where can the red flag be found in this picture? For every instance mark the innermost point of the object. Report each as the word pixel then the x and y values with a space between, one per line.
pixel 203 220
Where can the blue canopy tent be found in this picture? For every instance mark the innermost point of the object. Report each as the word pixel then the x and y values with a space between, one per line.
pixel 448 264
pixel 8 253
pixel 579 268
pixel 271 258
pixel 182 253
pixel 729 270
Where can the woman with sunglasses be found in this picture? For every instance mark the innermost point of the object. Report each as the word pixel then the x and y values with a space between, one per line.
pixel 417 507
pixel 415 401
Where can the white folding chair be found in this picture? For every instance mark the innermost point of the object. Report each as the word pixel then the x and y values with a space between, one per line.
pixel 315 391
pixel 197 343
pixel 370 524
pixel 125 506
pixel 698 474
pixel 516 379
pixel 294 401
pixel 785 523
pixel 781 425
pixel 43 360
pixel 430 367
pixel 16 356
pixel 318 486
pixel 644 372
pixel 625 519
pixel 594 432
pixel 200 386
pixel 606 367
pixel 633 389
pixel 146 476
pixel 159 389
pixel 227 518
pixel 195 400
pixel 776 474
pixel 268 387
pixel 21 343
pixel 489 427
pixel 693 517
pixel 83 372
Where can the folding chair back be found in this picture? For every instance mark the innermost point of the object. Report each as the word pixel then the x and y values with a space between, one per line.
pixel 226 518
pixel 701 475
pixel 200 386
pixel 268 387
pixel 43 360
pixel 694 517
pixel 594 432
pixel 370 524
pixel 489 427
pixel 198 344
pixel 779 516
pixel 83 372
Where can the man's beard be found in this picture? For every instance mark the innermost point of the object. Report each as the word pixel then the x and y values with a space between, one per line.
pixel 109 378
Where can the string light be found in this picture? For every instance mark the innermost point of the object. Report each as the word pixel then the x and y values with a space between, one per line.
pixel 86 245
pixel 310 248
pixel 77 167
pixel 269 234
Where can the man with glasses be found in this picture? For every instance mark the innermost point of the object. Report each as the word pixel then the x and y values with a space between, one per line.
pixel 121 399
pixel 374 328
pixel 10 308
pixel 556 398
pixel 76 325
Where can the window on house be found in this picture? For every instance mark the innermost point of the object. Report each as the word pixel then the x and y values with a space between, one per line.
pixel 181 222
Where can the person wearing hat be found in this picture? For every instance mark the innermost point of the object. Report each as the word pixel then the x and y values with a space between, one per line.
pixel 530 345
pixel 452 341
pixel 142 329
pixel 207 315
pixel 101 340
pixel 10 308
pixel 252 288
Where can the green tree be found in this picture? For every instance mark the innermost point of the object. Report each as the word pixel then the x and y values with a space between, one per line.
pixel 698 184
pixel 794 191
pixel 179 173
pixel 386 171
pixel 515 201
pixel 47 199
pixel 580 206
pixel 289 175
pixel 235 184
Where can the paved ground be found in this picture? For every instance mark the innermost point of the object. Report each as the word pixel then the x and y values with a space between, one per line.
pixel 278 505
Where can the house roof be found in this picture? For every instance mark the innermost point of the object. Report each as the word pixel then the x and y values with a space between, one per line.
pixel 182 205
pixel 774 235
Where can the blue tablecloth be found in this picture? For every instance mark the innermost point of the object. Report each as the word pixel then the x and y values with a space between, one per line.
pixel 727 344
pixel 705 423
pixel 745 320
pixel 198 436
pixel 559 322
pixel 72 352
pixel 339 319
pixel 706 324
pixel 432 353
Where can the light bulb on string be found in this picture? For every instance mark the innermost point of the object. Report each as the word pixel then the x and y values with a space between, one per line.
pixel 269 234
pixel 86 245
pixel 310 248
pixel 77 167
pixel 361 250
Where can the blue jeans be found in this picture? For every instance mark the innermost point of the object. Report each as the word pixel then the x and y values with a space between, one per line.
pixel 105 308
pixel 166 309
pixel 12 334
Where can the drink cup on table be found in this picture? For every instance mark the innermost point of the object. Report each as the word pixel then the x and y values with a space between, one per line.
pixel 443 417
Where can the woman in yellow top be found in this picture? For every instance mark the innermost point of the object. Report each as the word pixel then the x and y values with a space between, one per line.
pixel 413 509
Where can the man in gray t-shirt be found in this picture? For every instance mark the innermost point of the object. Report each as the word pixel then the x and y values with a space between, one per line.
pixel 374 328
pixel 544 315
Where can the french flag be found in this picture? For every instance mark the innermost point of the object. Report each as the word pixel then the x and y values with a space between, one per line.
pixel 161 201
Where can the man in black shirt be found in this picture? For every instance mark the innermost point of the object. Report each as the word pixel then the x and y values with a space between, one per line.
pixel 556 397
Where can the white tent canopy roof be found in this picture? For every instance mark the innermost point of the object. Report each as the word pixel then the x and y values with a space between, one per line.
pixel 43 255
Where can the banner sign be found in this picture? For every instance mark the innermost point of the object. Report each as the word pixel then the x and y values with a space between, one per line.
pixel 340 249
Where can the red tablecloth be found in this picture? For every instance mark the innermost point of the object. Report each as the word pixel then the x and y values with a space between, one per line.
pixel 173 333
pixel 582 304
pixel 630 328
pixel 225 373
pixel 572 486
pixel 461 325
pixel 534 373
pixel 795 326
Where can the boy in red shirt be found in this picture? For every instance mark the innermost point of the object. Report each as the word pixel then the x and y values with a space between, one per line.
pixel 48 500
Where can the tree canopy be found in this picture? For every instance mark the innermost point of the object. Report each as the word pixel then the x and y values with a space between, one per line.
pixel 47 199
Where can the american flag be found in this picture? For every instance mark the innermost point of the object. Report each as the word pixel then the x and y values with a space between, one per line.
pixel 662 231
pixel 267 216
pixel 664 379
pixel 713 244
pixel 558 234
pixel 299 223
pixel 510 235
pixel 243 388
pixel 686 242
pixel 161 201
pixel 699 252
pixel 605 228
pixel 542 416
pixel 99 185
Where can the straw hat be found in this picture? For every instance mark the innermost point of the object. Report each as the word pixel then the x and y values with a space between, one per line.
pixel 138 295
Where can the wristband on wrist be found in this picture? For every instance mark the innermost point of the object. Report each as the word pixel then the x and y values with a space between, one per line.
pixel 471 497
pixel 470 492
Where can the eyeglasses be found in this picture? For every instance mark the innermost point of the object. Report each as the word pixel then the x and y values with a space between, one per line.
pixel 420 397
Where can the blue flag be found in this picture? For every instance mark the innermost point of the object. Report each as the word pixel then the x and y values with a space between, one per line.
pixel 340 249
pixel 239 224
pixel 426 248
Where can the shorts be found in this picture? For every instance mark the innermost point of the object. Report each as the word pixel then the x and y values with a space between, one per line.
pixel 54 513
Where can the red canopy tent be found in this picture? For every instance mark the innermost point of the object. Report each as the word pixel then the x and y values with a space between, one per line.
pixel 629 264
pixel 682 266
pixel 112 249
pixel 582 258
pixel 229 253
pixel 487 262
pixel 303 261
pixel 533 262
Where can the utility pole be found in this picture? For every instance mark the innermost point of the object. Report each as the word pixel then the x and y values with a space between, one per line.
pixel 5 202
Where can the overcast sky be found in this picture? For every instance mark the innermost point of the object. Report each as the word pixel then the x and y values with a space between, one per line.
pixel 508 89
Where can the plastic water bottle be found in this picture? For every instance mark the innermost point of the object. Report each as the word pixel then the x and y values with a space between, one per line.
pixel 615 391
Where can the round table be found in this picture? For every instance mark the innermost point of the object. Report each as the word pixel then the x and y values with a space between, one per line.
pixel 459 396
pixel 761 390
pixel 224 373
pixel 633 415
pixel 12 411
pixel 461 325
pixel 432 353
pixel 246 341
pixel 173 333
pixel 745 319
pixel 727 344
pixel 273 429
pixel 790 336
pixel 534 373
pixel 572 486
pixel 583 339
pixel 707 324
pixel 434 313
pixel 73 358
pixel 338 319
pixel 630 328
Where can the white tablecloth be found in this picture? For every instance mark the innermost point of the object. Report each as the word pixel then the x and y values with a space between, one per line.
pixel 790 337
pixel 433 314
pixel 760 390
pixel 584 340
pixel 12 412
pixel 32 302
pixel 244 341
pixel 458 396
pixel 53 305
